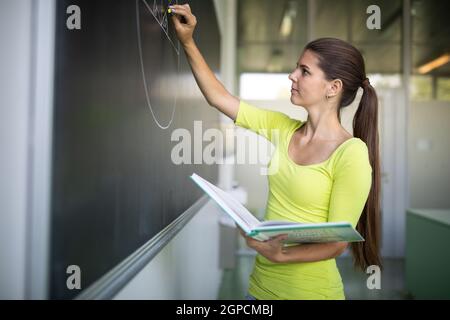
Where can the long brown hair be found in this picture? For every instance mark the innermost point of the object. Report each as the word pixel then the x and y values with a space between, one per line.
pixel 340 60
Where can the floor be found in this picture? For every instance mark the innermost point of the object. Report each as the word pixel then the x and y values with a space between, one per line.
pixel 235 281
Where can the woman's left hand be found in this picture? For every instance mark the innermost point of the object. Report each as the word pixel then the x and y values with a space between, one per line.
pixel 272 249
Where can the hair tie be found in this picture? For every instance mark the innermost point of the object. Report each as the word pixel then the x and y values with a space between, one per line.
pixel 365 83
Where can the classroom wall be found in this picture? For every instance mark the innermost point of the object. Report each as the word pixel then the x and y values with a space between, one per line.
pixel 429 154
pixel 15 58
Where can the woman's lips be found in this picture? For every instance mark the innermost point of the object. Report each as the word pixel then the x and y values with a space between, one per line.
pixel 294 91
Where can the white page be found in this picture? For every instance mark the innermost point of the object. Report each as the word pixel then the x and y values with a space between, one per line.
pixel 234 208
pixel 278 223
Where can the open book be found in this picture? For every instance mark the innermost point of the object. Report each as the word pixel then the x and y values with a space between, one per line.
pixel 297 232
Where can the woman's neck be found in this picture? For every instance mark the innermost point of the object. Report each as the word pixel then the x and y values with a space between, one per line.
pixel 322 126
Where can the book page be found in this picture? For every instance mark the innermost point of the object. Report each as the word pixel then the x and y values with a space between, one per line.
pixel 244 218
pixel 277 223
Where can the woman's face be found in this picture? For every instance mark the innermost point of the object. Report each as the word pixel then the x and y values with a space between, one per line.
pixel 309 86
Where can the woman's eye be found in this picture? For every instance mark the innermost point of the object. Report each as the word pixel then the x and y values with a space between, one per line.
pixel 304 72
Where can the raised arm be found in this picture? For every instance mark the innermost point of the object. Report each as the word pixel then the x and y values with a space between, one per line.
pixel 215 93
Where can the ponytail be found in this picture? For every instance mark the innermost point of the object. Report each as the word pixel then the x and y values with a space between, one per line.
pixel 365 127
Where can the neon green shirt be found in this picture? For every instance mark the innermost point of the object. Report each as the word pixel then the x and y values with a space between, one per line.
pixel 333 190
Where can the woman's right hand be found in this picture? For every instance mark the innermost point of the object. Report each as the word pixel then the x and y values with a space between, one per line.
pixel 184 29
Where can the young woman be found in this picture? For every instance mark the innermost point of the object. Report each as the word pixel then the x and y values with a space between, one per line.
pixel 324 173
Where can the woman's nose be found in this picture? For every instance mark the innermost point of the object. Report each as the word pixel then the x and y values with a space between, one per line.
pixel 291 77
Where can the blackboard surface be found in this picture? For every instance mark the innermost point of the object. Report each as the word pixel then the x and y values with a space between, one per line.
pixel 114 184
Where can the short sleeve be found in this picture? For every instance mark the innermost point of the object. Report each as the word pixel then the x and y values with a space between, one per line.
pixel 261 121
pixel 351 184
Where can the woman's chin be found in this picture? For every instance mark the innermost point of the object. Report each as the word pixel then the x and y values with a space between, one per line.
pixel 295 99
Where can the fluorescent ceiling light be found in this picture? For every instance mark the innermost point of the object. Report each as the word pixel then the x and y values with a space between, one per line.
pixel 286 26
pixel 434 64
pixel 289 16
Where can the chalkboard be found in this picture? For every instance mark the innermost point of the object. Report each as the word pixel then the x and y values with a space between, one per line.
pixel 122 86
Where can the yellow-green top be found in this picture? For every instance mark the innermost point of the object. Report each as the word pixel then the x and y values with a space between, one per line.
pixel 330 191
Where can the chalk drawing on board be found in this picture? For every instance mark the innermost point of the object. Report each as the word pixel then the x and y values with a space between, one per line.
pixel 161 18
pixel 159 12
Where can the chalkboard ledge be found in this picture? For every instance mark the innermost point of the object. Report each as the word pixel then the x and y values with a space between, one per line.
pixel 113 281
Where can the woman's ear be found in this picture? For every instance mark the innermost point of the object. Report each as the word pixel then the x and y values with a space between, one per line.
pixel 335 88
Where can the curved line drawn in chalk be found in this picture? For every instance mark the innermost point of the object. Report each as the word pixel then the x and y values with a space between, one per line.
pixel 162 21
